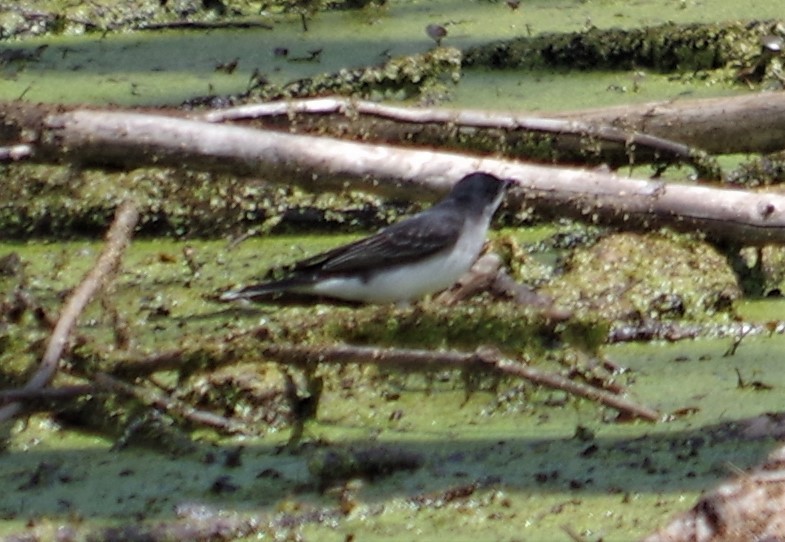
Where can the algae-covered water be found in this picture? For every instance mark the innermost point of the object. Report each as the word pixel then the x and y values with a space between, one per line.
pixel 511 461
pixel 508 461
pixel 169 67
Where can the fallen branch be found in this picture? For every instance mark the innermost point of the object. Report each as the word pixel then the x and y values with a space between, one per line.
pixel 738 124
pixel 117 240
pixel 558 382
pixel 371 121
pixel 406 359
pixel 320 163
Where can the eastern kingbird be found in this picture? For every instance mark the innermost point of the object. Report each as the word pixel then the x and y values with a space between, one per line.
pixel 425 253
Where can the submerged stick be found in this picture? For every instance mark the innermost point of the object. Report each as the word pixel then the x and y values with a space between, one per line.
pixel 43 394
pixel 170 404
pixel 485 359
pixel 482 358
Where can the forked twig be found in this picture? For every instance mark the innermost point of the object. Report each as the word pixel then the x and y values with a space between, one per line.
pixel 170 404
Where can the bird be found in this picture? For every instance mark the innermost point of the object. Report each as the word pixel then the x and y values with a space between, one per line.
pixel 436 32
pixel 422 254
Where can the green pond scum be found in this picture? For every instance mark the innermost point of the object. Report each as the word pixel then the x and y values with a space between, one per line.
pixel 322 451
pixel 385 448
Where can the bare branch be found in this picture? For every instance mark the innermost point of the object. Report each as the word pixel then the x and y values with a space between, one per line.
pixel 455 119
pixel 117 240
pixel 713 124
pixel 484 359
pixel 555 381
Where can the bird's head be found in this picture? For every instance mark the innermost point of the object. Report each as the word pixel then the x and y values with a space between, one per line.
pixel 480 190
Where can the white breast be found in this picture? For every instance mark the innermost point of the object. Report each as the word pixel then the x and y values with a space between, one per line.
pixel 414 280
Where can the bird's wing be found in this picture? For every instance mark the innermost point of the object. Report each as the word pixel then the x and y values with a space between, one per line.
pixel 402 242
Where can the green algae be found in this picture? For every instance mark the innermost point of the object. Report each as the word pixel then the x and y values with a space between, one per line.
pixel 639 277
pixel 512 327
pixel 55 202
pixel 508 461
pixel 664 48
pixel 505 465
pixel 78 69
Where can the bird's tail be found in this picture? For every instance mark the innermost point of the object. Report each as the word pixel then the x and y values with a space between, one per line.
pixel 263 289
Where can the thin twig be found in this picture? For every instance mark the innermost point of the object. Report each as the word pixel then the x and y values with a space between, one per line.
pixel 42 394
pixel 117 239
pixel 555 381
pixel 467 118
pixel 170 404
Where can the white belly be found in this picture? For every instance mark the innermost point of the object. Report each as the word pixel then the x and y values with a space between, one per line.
pixel 410 281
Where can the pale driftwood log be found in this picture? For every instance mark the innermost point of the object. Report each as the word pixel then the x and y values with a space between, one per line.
pixel 751 507
pixel 739 124
pixel 450 128
pixel 319 163
pixel 16 152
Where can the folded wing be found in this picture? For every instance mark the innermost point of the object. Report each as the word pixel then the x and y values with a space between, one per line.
pixel 400 243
